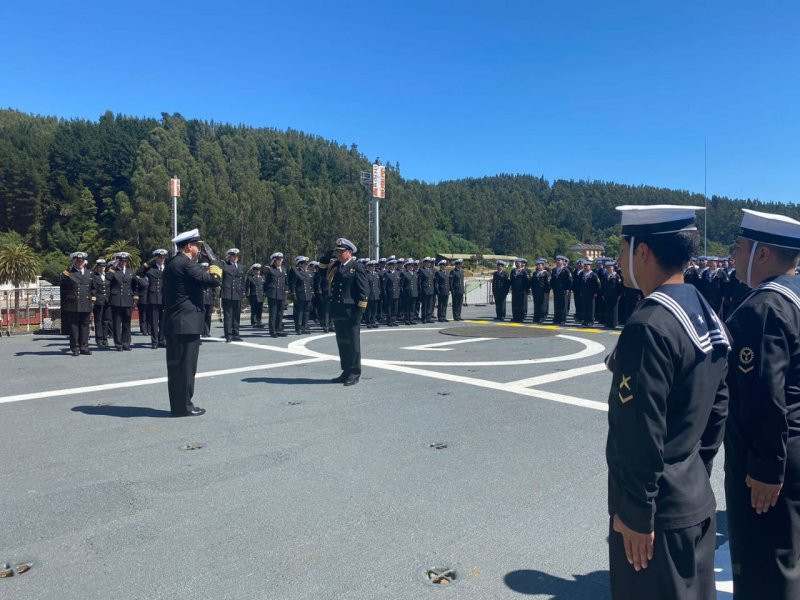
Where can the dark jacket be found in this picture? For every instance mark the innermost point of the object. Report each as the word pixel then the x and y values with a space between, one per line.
pixel 155 285
pixel 76 290
pixel 501 283
pixel 254 288
pixel 410 287
pixel 184 282
pixel 349 286
pixel 275 283
pixel 441 283
pixel 457 281
pixel 426 284
pixel 540 282
pixel 321 285
pixel 301 284
pixel 123 287
pixel 392 284
pixel 520 281
pixel 561 281
pixel 101 289
pixel 374 280
pixel 232 281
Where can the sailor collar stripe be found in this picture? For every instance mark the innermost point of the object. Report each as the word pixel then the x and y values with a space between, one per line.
pixel 784 291
pixel 705 342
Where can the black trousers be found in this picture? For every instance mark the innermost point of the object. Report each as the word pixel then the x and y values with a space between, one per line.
pixel 182 353
pixel 600 308
pixel 682 567
pixel 612 311
pixel 275 315
pixel 302 308
pixel 79 330
pixel 541 306
pixel 156 318
pixel 458 302
pixel 324 312
pixel 427 308
pixel 347 322
pixel 231 316
pixel 409 304
pixel 122 325
pixel 144 318
pixel 207 321
pixel 519 306
pixel 500 306
pixel 391 305
pixel 587 309
pixel 373 309
pixel 102 322
pixel 559 307
pixel 765 549
pixel 441 307
pixel 256 309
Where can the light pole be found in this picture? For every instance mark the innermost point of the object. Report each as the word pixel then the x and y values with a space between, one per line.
pixel 175 192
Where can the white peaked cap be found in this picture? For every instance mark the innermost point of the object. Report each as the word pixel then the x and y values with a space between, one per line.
pixel 777 230
pixel 640 220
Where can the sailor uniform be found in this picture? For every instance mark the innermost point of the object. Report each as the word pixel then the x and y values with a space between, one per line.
pixel 442 285
pixel 254 290
pixel 276 281
pixel 501 283
pixel 76 303
pixel 457 290
pixel 349 293
pixel 520 286
pixel 122 285
pixel 101 292
pixel 301 282
pixel 540 290
pixel 232 293
pixel 561 284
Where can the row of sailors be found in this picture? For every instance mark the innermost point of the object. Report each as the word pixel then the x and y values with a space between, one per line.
pixel 598 291
pixel 401 290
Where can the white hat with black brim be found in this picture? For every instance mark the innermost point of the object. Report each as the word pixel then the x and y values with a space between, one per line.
pixel 775 230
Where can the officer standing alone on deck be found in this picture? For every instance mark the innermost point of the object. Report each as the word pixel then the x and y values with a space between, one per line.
pixel 762 437
pixel 184 282
pixel 349 292
pixel 666 415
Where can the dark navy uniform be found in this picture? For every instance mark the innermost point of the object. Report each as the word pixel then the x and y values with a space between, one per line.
pixel 520 286
pixel 374 298
pixel 184 283
pixel 155 304
pixel 457 290
pixel 392 284
pixel 501 283
pixel 301 282
pixel 427 290
pixel 715 282
pixel 540 290
pixel 667 409
pixel 441 282
pixel 349 293
pixel 561 284
pixel 410 295
pixel 275 284
pixel 254 290
pixel 232 293
pixel 209 299
pixel 123 285
pixel 76 302
pixel 101 292
pixel 588 284
pixel 612 291
pixel 322 291
pixel 762 440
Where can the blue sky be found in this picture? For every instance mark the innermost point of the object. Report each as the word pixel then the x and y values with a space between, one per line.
pixel 622 91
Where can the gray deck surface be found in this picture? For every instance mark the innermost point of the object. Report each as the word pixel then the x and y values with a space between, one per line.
pixel 305 489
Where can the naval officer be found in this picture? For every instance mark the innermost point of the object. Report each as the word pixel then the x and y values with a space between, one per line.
pixel 762 437
pixel 349 293
pixel 184 283
pixel 667 409
pixel 77 302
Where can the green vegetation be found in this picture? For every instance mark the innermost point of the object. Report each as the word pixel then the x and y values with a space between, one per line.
pixel 94 186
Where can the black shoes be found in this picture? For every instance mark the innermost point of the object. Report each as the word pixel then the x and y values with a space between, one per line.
pixel 352 380
pixel 227 340
pixel 86 351
pixel 195 411
pixel 75 352
pixel 154 345
pixel 341 378
pixel 236 338
pixel 282 334
pixel 126 348
pixel 273 335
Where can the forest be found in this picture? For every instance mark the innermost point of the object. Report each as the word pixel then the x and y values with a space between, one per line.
pixel 102 185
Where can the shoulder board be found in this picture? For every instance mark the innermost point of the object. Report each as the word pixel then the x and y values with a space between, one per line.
pixel 66 273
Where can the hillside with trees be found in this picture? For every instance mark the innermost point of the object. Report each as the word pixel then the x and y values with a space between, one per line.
pixel 96 186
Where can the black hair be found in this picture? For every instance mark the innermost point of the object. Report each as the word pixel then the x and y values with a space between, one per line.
pixel 671 250
pixel 786 256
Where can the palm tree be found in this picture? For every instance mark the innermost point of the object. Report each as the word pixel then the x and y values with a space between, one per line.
pixel 124 246
pixel 18 264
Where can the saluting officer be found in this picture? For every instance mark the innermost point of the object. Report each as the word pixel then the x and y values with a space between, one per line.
pixel 520 286
pixel 392 284
pixel 762 436
pixel 442 286
pixel 301 283
pixel 349 292
pixel 76 302
pixel 589 285
pixel 540 290
pixel 101 292
pixel 275 284
pixel 209 298
pixel 184 282
pixel 374 297
pixel 232 292
pixel 123 287
pixel 254 290
pixel 456 279
pixel 501 283
pixel 561 284
pixel 427 289
pixel 155 298
pixel 141 284
pixel 666 415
